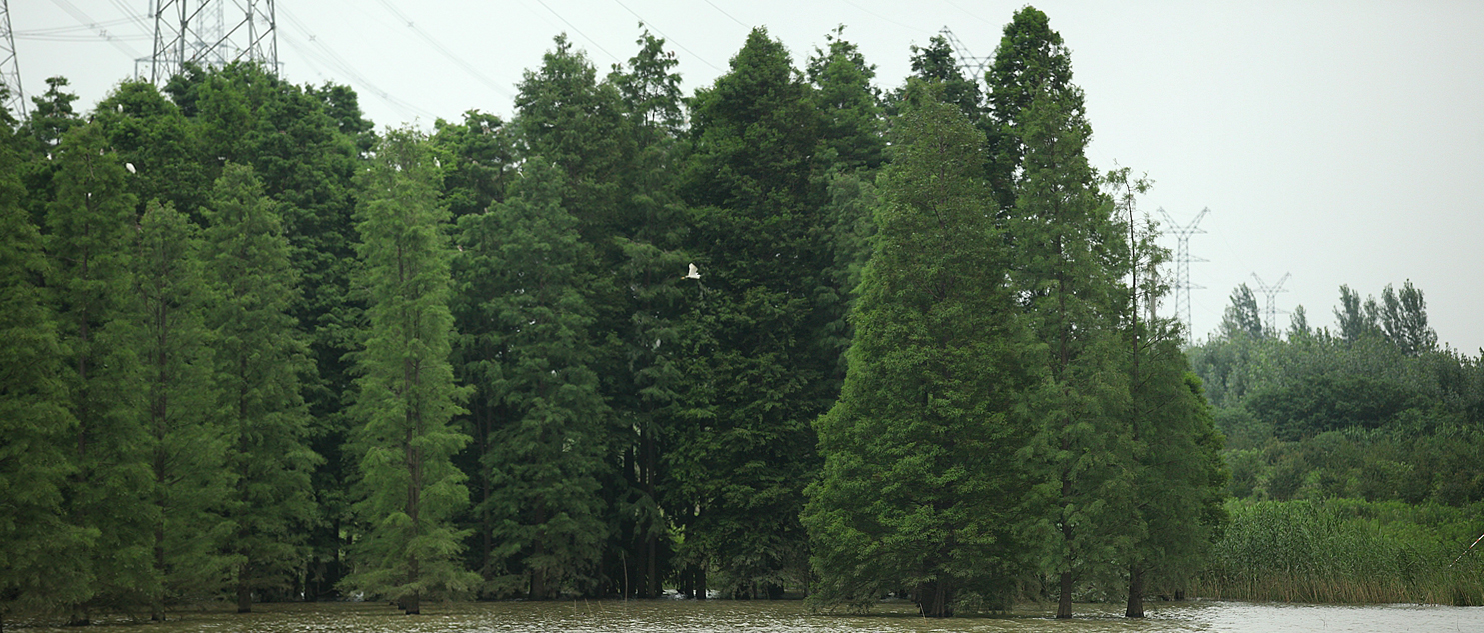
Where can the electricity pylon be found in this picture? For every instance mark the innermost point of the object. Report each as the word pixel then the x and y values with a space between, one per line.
pixel 1183 285
pixel 10 68
pixel 973 66
pixel 205 32
pixel 1270 310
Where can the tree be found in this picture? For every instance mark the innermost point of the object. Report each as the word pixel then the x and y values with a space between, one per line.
pixel 262 361
pixel 921 483
pixel 525 279
pixel 1031 59
pixel 88 232
pixel 1242 317
pixel 36 534
pixel 1069 274
pixel 1404 320
pixel 409 487
pixel 190 483
pixel 1352 318
pixel 742 461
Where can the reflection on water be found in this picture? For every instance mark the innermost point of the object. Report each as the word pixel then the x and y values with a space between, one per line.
pixel 716 616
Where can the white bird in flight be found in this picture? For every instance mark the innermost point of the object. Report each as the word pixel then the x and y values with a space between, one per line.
pixel 695 273
pixel 130 167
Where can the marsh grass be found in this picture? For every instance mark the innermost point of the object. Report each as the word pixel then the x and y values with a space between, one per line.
pixel 1347 551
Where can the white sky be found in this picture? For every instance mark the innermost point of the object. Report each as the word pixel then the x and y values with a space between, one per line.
pixel 1339 141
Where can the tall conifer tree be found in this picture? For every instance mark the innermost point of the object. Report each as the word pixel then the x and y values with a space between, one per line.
pixel 526 284
pixel 409 488
pixel 261 362
pixel 921 481
pixel 90 224
pixel 191 485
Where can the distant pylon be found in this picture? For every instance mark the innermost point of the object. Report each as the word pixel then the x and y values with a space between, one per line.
pixel 1270 311
pixel 1183 285
pixel 205 33
pixel 970 64
pixel 10 68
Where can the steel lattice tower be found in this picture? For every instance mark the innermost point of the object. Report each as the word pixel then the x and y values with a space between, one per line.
pixel 1270 311
pixel 10 68
pixel 212 33
pixel 970 64
pixel 1182 261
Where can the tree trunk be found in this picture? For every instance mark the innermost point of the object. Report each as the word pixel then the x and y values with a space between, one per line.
pixel 411 605
pixel 935 599
pixel 1135 592
pixel 244 596
pixel 1064 602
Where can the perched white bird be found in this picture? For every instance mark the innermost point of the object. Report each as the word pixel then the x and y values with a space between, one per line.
pixel 695 273
pixel 130 167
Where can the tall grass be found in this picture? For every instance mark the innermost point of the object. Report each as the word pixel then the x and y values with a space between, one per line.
pixel 1347 551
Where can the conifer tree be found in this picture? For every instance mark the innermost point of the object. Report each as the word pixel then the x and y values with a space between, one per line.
pixel 921 480
pixel 36 536
pixel 524 284
pixel 1072 258
pixel 190 483
pixel 89 229
pixel 261 362
pixel 742 462
pixel 409 488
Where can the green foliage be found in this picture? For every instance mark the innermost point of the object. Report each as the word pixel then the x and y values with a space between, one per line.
pixel 261 363
pixel 1346 551
pixel 920 482
pixel 1242 318
pixel 36 535
pixel 409 489
pixel 188 446
pixel 524 285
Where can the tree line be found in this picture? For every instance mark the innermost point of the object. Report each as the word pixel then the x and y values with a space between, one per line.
pixel 792 332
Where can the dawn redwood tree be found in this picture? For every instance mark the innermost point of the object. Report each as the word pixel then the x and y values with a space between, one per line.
pixel 90 225
pixel 1071 260
pixel 523 285
pixel 262 361
pixel 921 482
pixel 190 484
pixel 35 424
pixel 408 548
pixel 1030 59
pixel 742 464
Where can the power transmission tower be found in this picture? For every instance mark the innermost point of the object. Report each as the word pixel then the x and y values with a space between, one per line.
pixel 211 33
pixel 1183 285
pixel 1270 311
pixel 10 68
pixel 971 65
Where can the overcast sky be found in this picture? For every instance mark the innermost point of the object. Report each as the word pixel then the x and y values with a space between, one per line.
pixel 1339 142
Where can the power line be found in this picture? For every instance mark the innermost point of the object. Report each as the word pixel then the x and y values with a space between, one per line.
pixel 85 19
pixel 647 24
pixel 339 65
pixel 492 84
pixel 719 10
pixel 579 31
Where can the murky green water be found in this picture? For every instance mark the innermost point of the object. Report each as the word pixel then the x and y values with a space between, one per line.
pixel 790 616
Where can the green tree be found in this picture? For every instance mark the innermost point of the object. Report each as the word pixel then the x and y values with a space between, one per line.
pixel 53 115
pixel 1404 320
pixel 89 224
pixel 1242 317
pixel 921 482
pixel 1031 59
pixel 742 462
pixel 480 156
pixel 1072 260
pixel 36 535
pixel 161 146
pixel 262 361
pixel 1352 318
pixel 191 483
pixel 410 490
pixel 524 280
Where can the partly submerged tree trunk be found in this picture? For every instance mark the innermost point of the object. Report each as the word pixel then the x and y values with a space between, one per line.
pixel 1135 592
pixel 1064 602
pixel 244 594
pixel 935 599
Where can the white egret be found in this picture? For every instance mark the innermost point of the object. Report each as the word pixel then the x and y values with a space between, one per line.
pixel 695 273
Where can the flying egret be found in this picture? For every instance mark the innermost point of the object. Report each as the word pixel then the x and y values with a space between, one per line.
pixel 695 273
pixel 130 167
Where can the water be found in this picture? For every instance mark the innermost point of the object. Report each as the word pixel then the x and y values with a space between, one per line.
pixel 716 616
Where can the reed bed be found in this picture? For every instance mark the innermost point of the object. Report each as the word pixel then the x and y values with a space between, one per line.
pixel 1346 551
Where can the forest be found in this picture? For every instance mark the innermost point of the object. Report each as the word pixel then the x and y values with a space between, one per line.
pixel 793 334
